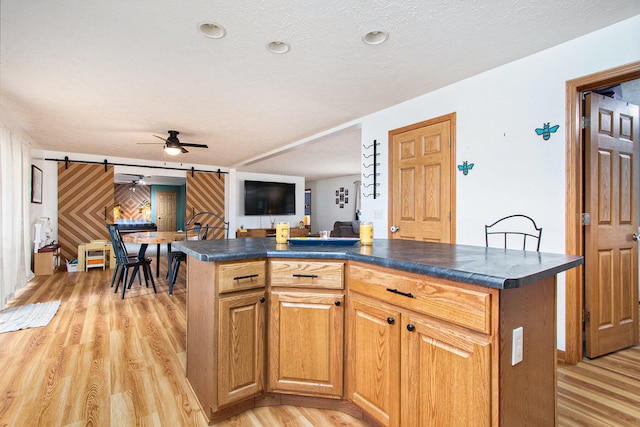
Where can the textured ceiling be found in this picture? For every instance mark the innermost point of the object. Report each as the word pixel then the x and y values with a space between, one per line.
pixel 100 77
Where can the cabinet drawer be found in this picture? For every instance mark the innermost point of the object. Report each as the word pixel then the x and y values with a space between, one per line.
pixel 312 274
pixel 239 276
pixel 457 305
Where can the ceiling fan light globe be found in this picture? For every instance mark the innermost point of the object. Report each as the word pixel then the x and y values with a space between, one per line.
pixel 172 151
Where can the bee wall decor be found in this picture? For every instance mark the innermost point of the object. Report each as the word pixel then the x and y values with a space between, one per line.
pixel 465 167
pixel 546 131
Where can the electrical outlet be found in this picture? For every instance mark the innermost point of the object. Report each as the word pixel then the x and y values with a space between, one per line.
pixel 516 346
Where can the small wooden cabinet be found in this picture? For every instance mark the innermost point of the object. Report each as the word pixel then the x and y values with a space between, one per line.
pixel 374 352
pixel 445 375
pixel 306 343
pixel 408 368
pixel 226 318
pixel 241 341
pixel 271 232
pixel 46 260
pixel 306 328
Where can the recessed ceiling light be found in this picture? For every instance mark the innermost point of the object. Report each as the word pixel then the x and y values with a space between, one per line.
pixel 375 37
pixel 278 47
pixel 212 30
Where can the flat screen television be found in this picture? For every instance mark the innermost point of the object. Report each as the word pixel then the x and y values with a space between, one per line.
pixel 269 198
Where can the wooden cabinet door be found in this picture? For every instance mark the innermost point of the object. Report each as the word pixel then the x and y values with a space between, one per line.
pixel 373 377
pixel 446 375
pixel 241 340
pixel 306 331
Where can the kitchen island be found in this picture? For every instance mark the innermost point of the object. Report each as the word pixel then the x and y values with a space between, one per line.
pixel 398 333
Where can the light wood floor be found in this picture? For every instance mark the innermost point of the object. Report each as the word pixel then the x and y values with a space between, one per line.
pixel 103 361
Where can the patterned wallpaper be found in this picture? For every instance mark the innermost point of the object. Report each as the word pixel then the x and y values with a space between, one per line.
pixel 131 201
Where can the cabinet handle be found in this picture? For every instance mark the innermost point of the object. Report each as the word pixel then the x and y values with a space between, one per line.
pixel 411 327
pixel 251 276
pixel 337 303
pixel 262 299
pixel 391 320
pixel 404 294
pixel 310 276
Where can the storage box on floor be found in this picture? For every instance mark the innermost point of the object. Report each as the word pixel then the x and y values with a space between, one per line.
pixel 72 267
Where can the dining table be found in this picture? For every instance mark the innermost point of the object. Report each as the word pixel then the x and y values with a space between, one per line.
pixel 146 238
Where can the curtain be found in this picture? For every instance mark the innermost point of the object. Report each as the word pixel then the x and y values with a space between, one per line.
pixel 15 197
pixel 357 191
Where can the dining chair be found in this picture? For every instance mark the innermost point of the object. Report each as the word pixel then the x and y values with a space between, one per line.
pixel 513 229
pixel 203 225
pixel 126 263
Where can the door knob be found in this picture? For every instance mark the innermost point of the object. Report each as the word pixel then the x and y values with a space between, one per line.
pixel 636 237
pixel 394 228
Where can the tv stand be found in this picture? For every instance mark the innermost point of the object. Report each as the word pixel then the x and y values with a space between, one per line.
pixel 271 232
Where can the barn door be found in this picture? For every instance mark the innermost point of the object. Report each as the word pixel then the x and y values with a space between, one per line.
pixel 205 192
pixel 85 205
pixel 611 199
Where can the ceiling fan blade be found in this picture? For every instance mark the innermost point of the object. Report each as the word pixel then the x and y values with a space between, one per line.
pixel 186 144
pixel 184 150
pixel 160 138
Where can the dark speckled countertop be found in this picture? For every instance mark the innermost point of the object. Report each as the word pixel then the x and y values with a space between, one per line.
pixel 495 268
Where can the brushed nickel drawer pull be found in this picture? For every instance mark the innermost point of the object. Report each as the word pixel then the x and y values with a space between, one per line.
pixel 251 276
pixel 404 294
pixel 309 276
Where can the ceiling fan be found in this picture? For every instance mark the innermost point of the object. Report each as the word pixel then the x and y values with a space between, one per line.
pixel 173 146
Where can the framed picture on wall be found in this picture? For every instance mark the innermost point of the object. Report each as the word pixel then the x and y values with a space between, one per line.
pixel 36 184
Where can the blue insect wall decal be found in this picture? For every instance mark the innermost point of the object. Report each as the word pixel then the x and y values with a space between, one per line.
pixel 465 167
pixel 547 130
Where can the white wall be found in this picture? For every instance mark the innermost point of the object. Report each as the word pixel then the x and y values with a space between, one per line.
pixel 515 170
pixel 49 206
pixel 324 210
pixel 236 201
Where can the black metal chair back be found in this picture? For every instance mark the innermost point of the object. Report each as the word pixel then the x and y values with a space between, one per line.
pixel 118 245
pixel 513 228
pixel 207 225
pixel 201 226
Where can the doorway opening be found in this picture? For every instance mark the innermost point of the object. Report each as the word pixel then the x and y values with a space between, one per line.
pixel 575 197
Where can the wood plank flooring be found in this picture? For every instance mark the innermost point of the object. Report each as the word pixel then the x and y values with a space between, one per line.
pixel 103 361
pixel 601 392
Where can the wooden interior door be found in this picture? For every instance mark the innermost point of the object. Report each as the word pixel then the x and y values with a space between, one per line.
pixel 423 181
pixel 85 205
pixel 611 199
pixel 166 210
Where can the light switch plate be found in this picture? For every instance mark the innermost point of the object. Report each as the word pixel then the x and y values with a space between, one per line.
pixel 516 346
